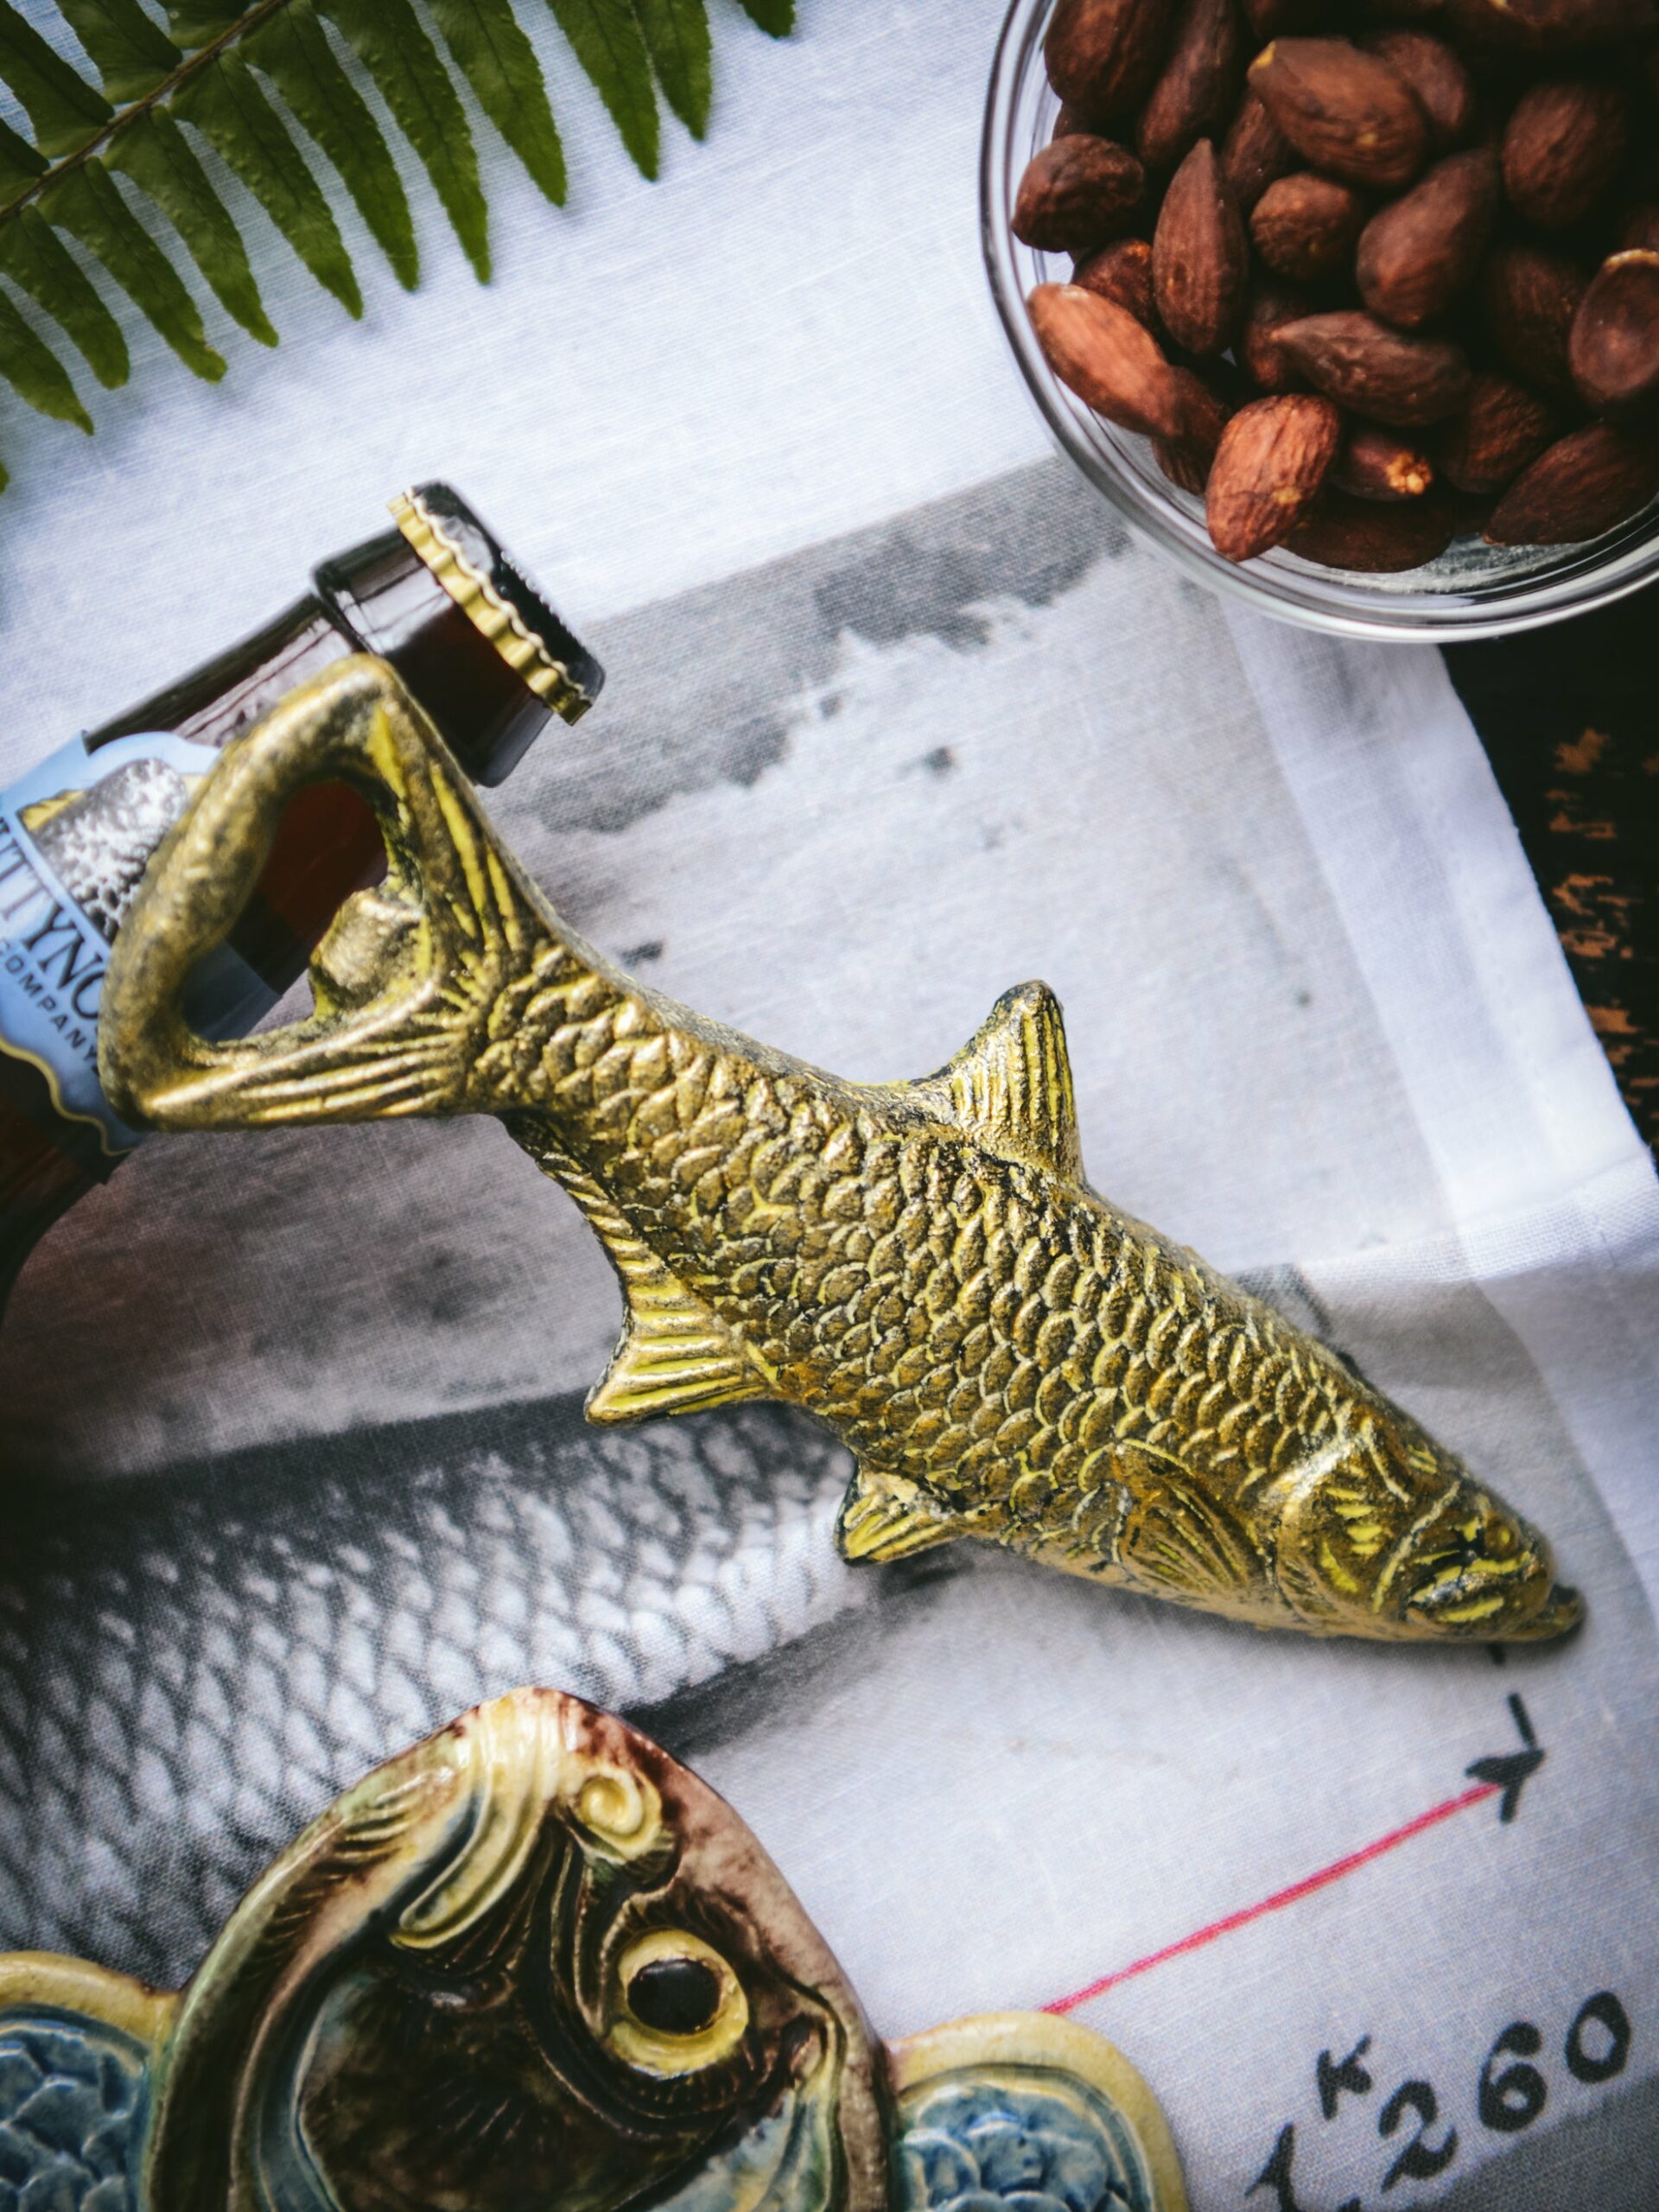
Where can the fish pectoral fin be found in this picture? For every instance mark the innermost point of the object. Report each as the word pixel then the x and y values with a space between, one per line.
pixel 876 1522
pixel 1011 1085
pixel 675 1356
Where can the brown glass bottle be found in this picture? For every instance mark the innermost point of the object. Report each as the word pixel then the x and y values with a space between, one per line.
pixel 488 658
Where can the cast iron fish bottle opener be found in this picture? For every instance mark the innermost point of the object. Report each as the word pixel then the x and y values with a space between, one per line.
pixel 923 1265
pixel 534 1965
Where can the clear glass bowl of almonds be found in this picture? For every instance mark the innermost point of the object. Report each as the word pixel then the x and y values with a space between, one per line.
pixel 1365 286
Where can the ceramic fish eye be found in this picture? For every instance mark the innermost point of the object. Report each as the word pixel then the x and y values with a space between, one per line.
pixel 534 1965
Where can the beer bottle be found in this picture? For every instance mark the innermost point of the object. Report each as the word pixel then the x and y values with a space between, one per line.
pixel 487 657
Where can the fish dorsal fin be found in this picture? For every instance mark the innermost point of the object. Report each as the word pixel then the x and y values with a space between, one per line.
pixel 879 1520
pixel 675 1354
pixel 1011 1084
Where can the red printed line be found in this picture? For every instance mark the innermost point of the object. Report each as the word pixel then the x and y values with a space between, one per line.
pixel 1281 1898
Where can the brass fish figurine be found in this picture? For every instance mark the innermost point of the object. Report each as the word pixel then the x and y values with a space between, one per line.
pixel 534 1965
pixel 922 1265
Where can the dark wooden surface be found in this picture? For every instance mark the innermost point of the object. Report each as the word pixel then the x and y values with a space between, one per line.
pixel 1567 718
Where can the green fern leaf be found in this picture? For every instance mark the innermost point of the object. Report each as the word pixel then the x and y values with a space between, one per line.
pixel 198 22
pixel 500 63
pixel 611 47
pixel 676 32
pixel 35 372
pixel 20 165
pixel 65 111
pixel 131 53
pixel 387 38
pixel 292 50
pixel 86 202
pixel 775 16
pixel 225 103
pixel 38 262
pixel 158 157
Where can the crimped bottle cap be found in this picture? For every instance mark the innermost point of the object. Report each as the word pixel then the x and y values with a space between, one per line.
pixel 495 596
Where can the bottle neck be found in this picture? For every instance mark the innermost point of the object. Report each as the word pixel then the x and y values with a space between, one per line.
pixel 379 598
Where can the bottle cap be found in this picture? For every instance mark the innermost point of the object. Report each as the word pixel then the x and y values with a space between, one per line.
pixel 496 598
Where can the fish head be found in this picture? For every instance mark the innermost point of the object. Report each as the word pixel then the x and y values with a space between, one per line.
pixel 533 1965
pixel 407 979
pixel 1386 1535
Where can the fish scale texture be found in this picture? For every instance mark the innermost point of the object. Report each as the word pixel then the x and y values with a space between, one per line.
pixel 969 1322
pixel 68 2116
pixel 191 1668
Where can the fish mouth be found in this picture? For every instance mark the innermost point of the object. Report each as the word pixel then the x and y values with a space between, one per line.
pixel 1560 1613
pixel 1501 1589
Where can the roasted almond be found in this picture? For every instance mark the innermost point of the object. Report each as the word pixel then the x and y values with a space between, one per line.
pixel 1101 54
pixel 1305 225
pixel 1112 362
pixel 1199 260
pixel 1273 457
pixel 1500 427
pixel 1377 371
pixel 1197 86
pixel 1640 227
pixel 1439 83
pixel 1563 145
pixel 1551 26
pixel 1254 152
pixel 1076 194
pixel 1614 348
pixel 1378 463
pixel 1343 532
pixel 1185 460
pixel 1270 308
pixel 1121 272
pixel 1531 294
pixel 1577 488
pixel 1420 251
pixel 1345 111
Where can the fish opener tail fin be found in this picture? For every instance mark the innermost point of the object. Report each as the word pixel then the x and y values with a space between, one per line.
pixel 405 979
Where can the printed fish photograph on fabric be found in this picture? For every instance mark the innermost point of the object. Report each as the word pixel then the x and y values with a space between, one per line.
pixel 298 1468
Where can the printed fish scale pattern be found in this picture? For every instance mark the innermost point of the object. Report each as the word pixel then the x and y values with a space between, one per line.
pixel 69 2112
pixel 191 1668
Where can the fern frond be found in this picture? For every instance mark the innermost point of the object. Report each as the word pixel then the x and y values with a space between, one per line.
pixel 214 77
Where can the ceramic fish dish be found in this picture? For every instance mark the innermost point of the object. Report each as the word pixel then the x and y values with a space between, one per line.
pixel 922 1265
pixel 534 1965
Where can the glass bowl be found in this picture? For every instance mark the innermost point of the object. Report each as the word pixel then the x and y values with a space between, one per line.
pixel 1473 590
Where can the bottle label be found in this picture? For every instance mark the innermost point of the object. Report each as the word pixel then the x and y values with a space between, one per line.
pixel 76 833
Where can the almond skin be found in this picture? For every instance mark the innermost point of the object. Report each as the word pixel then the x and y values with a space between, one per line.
pixel 1577 488
pixel 1304 226
pixel 1640 227
pixel 1121 272
pixel 1530 294
pixel 1420 251
pixel 1441 84
pixel 1254 153
pixel 1077 194
pixel 1200 262
pixel 1348 533
pixel 1273 457
pixel 1185 460
pixel 1379 372
pixel 1112 362
pixel 1551 26
pixel 1614 348
pixel 1499 429
pixel 1378 463
pixel 1344 111
pixel 1101 54
pixel 1563 145
pixel 1197 86
pixel 1270 309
